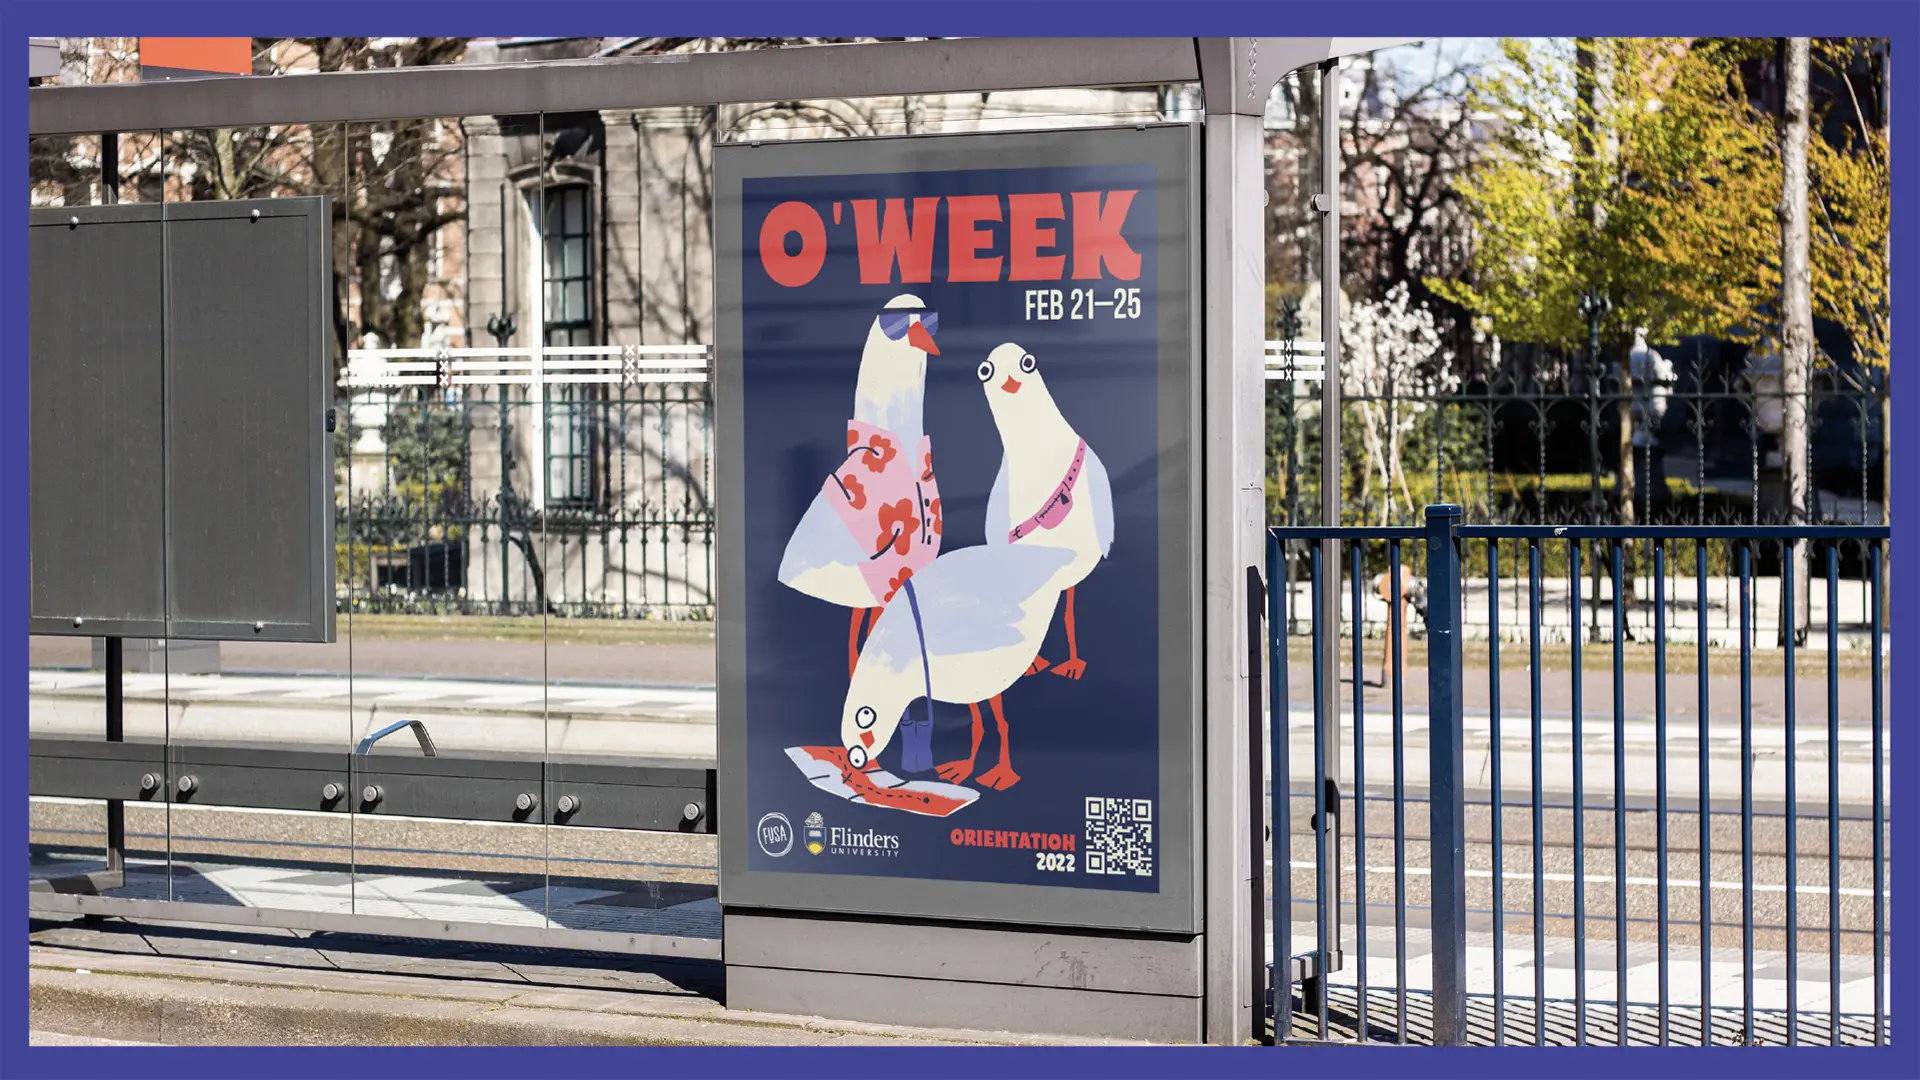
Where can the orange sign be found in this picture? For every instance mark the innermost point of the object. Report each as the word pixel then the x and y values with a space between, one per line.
pixel 176 57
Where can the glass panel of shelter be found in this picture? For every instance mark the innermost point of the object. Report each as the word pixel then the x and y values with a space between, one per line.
pixel 255 804
pixel 448 629
pixel 68 675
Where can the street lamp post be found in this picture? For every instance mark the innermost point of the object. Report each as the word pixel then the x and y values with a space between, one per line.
pixel 502 327
pixel 1289 326
pixel 1594 308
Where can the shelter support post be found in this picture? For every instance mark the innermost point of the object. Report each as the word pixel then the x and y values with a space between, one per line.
pixel 1232 419
pixel 116 647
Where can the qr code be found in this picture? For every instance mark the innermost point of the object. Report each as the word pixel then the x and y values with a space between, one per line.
pixel 1120 836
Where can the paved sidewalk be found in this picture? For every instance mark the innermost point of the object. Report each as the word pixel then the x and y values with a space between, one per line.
pixel 208 986
pixel 688 663
pixel 334 711
pixel 668 908
pixel 668 722
pixel 53 1038
pixel 1726 970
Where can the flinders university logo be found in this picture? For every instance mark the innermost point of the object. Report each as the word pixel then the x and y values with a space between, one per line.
pixel 816 833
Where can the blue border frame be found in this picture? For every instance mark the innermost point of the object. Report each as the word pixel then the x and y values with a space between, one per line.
pixel 1896 20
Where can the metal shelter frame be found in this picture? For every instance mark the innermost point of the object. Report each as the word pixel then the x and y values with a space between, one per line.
pixel 1236 76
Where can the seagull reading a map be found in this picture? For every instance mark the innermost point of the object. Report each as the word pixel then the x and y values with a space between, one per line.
pixel 961 631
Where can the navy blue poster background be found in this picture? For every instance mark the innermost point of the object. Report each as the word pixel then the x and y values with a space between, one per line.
pixel 1096 737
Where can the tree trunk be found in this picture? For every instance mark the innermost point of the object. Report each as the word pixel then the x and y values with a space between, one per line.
pixel 1886 488
pixel 1627 489
pixel 1591 73
pixel 1796 309
pixel 1886 386
pixel 1594 76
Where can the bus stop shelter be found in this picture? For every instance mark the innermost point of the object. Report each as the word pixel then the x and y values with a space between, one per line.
pixel 1206 979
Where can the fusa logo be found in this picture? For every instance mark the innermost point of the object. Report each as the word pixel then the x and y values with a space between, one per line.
pixel 776 834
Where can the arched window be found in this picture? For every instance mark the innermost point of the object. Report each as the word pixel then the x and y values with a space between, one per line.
pixel 574 419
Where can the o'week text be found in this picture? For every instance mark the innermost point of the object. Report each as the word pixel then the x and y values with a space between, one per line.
pixel 988 238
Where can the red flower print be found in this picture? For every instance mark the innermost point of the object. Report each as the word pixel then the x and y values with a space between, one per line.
pixel 853 439
pixel 926 467
pixel 894 583
pixel 897 524
pixel 856 494
pixel 934 509
pixel 880 451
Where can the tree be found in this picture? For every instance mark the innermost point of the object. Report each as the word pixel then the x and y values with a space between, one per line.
pixel 1556 199
pixel 1852 196
pixel 1392 349
pixel 1852 189
pixel 1404 145
pixel 394 184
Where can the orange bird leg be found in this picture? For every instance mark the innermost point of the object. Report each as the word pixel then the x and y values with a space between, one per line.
pixel 853 635
pixel 1001 776
pixel 954 772
pixel 1073 667
pixel 853 640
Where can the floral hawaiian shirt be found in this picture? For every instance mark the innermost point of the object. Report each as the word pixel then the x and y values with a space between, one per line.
pixel 890 502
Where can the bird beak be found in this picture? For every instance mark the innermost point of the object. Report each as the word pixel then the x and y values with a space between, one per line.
pixel 1011 386
pixel 918 337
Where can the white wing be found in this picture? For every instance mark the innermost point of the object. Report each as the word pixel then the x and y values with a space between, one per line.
pixel 1100 494
pixel 999 518
pixel 975 599
pixel 823 560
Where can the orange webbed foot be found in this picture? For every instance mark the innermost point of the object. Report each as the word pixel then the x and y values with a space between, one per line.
pixel 1000 777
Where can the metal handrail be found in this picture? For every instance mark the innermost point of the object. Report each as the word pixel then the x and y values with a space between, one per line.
pixel 419 733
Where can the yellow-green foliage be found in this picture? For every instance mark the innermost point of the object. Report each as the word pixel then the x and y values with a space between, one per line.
pixel 1685 174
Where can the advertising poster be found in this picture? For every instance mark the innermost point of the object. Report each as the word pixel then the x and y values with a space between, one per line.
pixel 955 371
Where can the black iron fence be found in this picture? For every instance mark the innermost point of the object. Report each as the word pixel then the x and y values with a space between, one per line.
pixel 1544 447
pixel 1541 444
pixel 593 502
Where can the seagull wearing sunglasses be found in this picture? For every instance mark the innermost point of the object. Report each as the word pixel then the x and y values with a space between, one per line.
pixel 876 519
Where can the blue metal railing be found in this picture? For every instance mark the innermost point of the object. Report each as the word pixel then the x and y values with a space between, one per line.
pixel 420 735
pixel 1470 1003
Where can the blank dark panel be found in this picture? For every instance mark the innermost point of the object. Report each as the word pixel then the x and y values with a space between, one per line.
pixel 95 375
pixel 181 470
pixel 250 505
